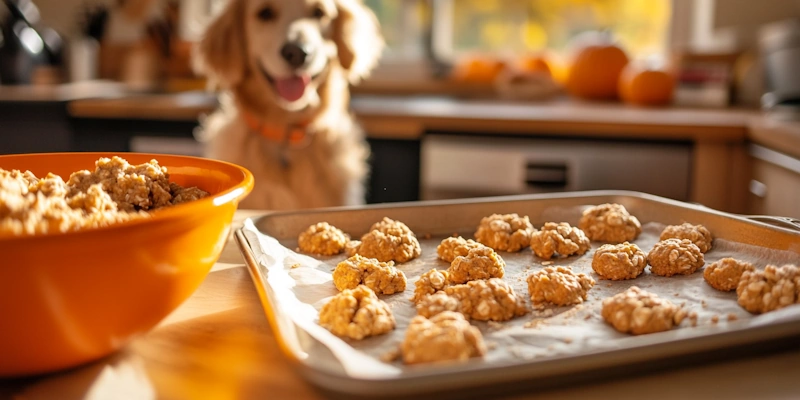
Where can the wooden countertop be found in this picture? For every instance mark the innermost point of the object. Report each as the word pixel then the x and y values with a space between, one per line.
pixel 65 92
pixel 407 117
pixel 219 345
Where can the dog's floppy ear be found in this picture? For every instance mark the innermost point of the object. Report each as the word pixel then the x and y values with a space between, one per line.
pixel 220 54
pixel 358 39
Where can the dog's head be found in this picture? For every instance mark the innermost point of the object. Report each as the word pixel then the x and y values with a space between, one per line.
pixel 289 46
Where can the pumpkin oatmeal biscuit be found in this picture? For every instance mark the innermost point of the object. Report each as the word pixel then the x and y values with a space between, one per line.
pixel 505 232
pixel 639 312
pixel 452 247
pixel 561 239
pixel 698 234
pixel 675 257
pixel 443 337
pixel 429 283
pixel 619 261
pixel 483 300
pixel 356 314
pixel 768 290
pixel 322 238
pixel 725 274
pixel 382 278
pixel 559 286
pixel 436 303
pixel 479 263
pixel 387 240
pixel 609 223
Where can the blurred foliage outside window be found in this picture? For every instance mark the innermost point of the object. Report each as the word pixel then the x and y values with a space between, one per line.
pixel 519 26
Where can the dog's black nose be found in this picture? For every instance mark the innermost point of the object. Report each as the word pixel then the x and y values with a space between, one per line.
pixel 294 54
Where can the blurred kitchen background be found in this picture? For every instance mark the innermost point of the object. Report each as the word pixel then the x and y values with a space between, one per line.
pixel 695 100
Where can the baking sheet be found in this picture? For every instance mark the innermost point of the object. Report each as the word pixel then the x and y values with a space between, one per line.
pixel 301 285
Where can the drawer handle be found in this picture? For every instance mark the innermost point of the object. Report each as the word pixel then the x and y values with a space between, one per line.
pixel 546 175
pixel 758 188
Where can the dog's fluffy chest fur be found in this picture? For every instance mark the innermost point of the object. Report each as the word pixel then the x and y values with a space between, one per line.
pixel 328 171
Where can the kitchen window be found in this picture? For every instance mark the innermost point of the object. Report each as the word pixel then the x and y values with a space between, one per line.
pixel 517 26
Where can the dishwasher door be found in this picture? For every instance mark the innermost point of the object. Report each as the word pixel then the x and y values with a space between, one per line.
pixel 459 166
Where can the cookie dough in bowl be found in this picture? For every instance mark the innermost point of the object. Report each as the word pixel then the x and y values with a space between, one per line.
pixel 114 280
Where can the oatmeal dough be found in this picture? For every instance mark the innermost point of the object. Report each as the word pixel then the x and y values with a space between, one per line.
pixel 610 223
pixel 382 278
pixel 429 283
pixel 639 312
pixel 453 247
pixel 133 187
pixel 387 240
pixel 559 286
pixel 561 239
pixel 483 300
pixel 356 314
pixel 507 232
pixel 770 289
pixel 725 274
pixel 29 205
pixel 479 263
pixel 675 257
pixel 322 238
pixel 116 191
pixel 619 261
pixel 698 234
pixel 444 337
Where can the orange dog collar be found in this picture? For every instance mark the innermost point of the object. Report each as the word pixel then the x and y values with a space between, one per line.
pixel 293 134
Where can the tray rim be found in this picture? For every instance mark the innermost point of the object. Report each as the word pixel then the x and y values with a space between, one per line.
pixel 510 371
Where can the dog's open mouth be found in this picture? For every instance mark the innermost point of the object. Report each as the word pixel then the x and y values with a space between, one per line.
pixel 290 89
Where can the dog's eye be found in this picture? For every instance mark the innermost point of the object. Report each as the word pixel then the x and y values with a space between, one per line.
pixel 318 13
pixel 266 14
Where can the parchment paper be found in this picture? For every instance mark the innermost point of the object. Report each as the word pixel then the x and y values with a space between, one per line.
pixel 303 284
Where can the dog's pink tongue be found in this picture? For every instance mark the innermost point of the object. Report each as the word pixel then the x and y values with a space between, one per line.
pixel 292 89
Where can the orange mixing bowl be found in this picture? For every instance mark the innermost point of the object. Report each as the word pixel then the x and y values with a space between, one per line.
pixel 69 298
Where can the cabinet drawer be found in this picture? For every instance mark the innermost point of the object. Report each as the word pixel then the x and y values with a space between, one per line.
pixel 775 183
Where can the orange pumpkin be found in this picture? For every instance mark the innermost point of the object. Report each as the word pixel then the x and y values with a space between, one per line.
pixel 644 86
pixel 596 68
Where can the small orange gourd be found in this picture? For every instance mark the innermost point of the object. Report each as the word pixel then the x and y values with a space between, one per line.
pixel 480 69
pixel 645 86
pixel 534 64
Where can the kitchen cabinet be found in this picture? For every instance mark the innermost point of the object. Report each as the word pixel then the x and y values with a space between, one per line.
pixel 775 183
pixel 710 144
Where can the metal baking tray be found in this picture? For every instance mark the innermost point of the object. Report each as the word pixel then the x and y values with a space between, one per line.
pixel 318 362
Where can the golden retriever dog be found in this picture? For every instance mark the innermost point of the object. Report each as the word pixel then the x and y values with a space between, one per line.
pixel 285 67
